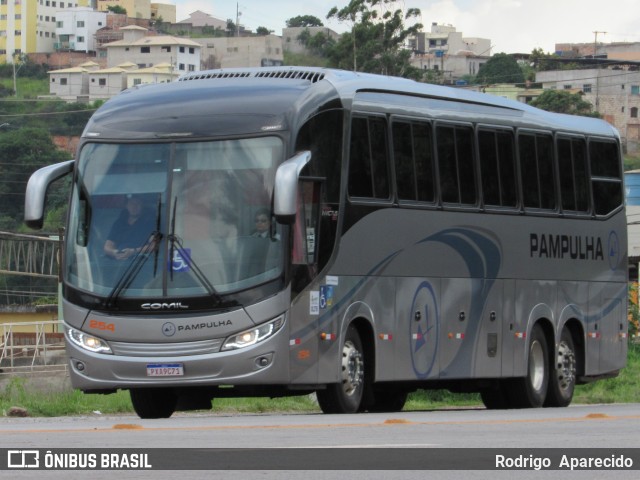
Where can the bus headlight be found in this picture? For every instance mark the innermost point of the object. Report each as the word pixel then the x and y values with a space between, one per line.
pixel 254 335
pixel 88 342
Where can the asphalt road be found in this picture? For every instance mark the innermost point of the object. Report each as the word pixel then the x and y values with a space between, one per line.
pixel 398 445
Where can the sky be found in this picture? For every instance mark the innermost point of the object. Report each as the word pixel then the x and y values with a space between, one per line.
pixel 513 26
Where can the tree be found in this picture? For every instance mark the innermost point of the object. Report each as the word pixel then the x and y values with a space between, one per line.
pixel 304 21
pixel 263 31
pixel 23 150
pixel 318 44
pixel 500 68
pixel 562 101
pixel 376 43
pixel 545 61
pixel 117 9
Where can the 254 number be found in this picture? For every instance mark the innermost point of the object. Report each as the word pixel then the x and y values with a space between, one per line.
pixel 98 325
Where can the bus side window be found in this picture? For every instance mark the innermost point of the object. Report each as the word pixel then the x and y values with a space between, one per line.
pixel 368 162
pixel 606 177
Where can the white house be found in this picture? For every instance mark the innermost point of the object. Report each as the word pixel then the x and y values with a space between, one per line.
pixel 106 83
pixel 71 83
pixel 149 50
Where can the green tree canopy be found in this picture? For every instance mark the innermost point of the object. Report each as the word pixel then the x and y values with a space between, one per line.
pixel 376 43
pixel 23 151
pixel 304 21
pixel 263 31
pixel 562 101
pixel 500 68
pixel 117 9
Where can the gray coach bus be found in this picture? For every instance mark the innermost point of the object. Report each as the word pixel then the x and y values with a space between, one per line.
pixel 282 231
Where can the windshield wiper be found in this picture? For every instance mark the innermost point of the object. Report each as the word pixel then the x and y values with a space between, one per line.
pixel 134 267
pixel 176 244
pixel 138 260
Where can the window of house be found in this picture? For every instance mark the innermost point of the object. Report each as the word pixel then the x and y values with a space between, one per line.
pixel 165 48
pixel 634 112
pixel 145 49
pixel 80 39
pixel 102 82
pixel 192 50
pixel 63 81
pixel 635 89
pixel 80 24
pixel 586 88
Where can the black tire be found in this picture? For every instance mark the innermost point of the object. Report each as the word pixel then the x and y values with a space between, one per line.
pixel 388 401
pixel 153 402
pixel 495 398
pixel 346 396
pixel 562 379
pixel 531 391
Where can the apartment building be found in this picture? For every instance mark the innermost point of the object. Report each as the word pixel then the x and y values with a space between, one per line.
pixel 614 92
pixel 76 27
pixel 30 26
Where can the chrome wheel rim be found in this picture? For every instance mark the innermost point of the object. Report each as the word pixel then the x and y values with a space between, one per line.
pixel 352 368
pixel 565 367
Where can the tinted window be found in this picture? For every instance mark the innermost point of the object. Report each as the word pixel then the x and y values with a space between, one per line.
pixel 412 149
pixel 497 167
pixel 368 170
pixel 455 163
pixel 572 171
pixel 606 180
pixel 536 166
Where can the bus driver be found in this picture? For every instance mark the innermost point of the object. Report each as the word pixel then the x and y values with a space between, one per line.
pixel 130 232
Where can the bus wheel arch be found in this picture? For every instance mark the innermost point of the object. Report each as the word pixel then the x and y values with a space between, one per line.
pixel 356 371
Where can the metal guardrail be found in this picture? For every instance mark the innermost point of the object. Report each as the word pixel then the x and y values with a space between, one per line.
pixel 40 349
pixel 29 254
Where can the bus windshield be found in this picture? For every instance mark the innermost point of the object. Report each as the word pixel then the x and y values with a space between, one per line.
pixel 174 219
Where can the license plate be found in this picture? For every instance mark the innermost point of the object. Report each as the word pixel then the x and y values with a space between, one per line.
pixel 165 370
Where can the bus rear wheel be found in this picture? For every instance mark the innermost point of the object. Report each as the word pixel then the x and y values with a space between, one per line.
pixel 562 381
pixel 531 391
pixel 346 396
pixel 153 402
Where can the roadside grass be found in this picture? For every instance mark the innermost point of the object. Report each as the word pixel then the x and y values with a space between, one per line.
pixel 27 87
pixel 623 389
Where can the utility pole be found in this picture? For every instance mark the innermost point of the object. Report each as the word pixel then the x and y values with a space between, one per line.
pixel 595 50
pixel 238 13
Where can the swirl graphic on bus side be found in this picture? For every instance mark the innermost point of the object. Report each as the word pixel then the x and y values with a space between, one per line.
pixel 424 325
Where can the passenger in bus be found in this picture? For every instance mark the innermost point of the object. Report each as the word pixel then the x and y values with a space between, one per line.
pixel 263 225
pixel 131 232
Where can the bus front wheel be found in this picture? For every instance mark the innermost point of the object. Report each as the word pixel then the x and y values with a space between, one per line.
pixel 346 396
pixel 153 402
